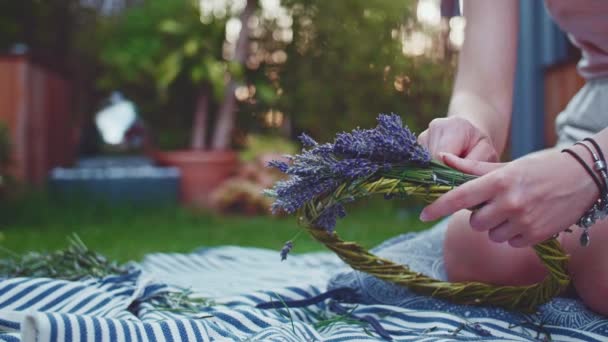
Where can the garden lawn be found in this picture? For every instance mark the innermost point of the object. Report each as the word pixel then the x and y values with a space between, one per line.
pixel 124 233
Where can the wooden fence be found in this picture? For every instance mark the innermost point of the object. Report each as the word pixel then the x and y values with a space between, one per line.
pixel 35 104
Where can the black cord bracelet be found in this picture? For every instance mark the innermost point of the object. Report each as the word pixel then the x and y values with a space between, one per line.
pixel 597 147
pixel 599 165
pixel 580 160
pixel 599 210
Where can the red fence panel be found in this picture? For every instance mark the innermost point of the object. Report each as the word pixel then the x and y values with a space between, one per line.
pixel 35 103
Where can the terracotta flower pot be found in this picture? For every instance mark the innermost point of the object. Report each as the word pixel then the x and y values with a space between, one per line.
pixel 201 172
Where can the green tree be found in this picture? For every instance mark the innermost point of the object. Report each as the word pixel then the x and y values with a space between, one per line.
pixel 163 50
pixel 328 65
pixel 345 65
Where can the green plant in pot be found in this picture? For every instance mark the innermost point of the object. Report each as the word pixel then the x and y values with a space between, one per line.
pixel 179 65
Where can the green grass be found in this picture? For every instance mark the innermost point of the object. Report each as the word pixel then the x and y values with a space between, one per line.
pixel 39 223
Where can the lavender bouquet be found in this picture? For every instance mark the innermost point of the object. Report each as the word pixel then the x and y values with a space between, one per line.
pixel 384 160
pixel 387 160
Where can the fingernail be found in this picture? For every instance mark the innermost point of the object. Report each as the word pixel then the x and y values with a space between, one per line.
pixel 424 217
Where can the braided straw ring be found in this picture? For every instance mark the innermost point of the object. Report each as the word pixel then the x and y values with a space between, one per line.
pixel 521 298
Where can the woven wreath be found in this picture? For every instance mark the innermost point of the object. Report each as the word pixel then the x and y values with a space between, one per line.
pixel 387 160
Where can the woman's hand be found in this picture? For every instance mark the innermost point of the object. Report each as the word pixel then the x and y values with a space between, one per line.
pixel 458 136
pixel 523 202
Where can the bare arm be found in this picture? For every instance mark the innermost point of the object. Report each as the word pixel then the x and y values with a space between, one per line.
pixel 483 90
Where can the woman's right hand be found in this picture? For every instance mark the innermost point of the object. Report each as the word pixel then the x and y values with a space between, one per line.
pixel 480 108
pixel 458 136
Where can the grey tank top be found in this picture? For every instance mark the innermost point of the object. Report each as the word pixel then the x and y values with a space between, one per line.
pixel 586 114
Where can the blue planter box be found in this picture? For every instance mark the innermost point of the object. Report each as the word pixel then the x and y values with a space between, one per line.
pixel 117 182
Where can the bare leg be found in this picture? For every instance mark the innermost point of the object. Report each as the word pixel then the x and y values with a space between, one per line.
pixel 472 256
pixel 589 266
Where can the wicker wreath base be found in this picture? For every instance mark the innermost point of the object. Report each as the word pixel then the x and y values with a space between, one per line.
pixel 520 298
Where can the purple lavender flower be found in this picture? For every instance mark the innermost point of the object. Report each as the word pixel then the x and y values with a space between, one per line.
pixel 354 145
pixel 280 165
pixel 362 153
pixel 401 138
pixel 329 217
pixel 287 247
pixel 390 141
pixel 307 141
pixel 293 193
pixel 323 150
pixel 354 168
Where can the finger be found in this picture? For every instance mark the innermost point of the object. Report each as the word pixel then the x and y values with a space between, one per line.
pixel 518 241
pixel 465 196
pixel 469 166
pixel 423 138
pixel 489 216
pixel 482 152
pixel 504 232
pixel 440 141
pixel 450 145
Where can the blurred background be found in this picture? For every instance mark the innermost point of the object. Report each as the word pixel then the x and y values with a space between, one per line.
pixel 145 125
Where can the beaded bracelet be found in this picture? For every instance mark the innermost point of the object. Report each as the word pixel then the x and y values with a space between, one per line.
pixel 599 210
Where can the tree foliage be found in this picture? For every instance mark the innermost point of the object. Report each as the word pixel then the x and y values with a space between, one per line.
pixel 346 64
pixel 166 56
pixel 161 42
pixel 159 54
pixel 344 61
pixel 48 27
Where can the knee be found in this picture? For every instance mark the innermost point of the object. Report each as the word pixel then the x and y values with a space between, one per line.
pixel 588 268
pixel 458 260
pixel 466 252
pixel 592 287
pixel 472 256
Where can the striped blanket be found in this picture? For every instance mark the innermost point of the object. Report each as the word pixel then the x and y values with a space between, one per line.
pixel 230 282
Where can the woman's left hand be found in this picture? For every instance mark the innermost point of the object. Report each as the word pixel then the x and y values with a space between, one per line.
pixel 525 201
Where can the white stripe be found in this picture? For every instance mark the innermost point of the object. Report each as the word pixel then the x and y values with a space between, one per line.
pixel 94 302
pixel 105 331
pixel 36 292
pixel 174 330
pixel 90 329
pixel 204 329
pixel 154 266
pixel 120 333
pixel 21 287
pixel 131 327
pixel 35 327
pixel 188 262
pixel 242 319
pixel 158 332
pixel 173 265
pixel 189 332
pixel 74 324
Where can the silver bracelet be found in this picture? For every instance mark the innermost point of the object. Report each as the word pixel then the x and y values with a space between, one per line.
pixel 599 210
pixel 599 165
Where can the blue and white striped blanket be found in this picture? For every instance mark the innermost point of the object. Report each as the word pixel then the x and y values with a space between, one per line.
pixel 235 280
